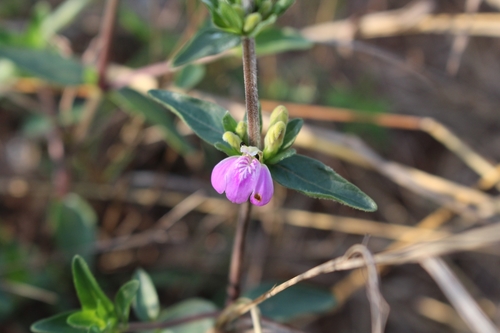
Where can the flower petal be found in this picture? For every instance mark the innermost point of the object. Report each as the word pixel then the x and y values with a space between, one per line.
pixel 264 188
pixel 242 178
pixel 220 171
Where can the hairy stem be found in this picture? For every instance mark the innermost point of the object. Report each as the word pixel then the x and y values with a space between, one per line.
pixel 251 93
pixel 235 269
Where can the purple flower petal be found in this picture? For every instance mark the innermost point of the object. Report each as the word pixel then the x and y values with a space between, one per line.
pixel 264 188
pixel 242 178
pixel 220 172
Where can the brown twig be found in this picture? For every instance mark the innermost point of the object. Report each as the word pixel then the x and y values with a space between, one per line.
pixel 135 327
pixel 106 34
pixel 237 255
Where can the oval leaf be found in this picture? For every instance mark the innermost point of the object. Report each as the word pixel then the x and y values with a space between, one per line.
pixel 187 308
pixel 134 102
pixel 293 302
pixel 89 293
pixel 292 130
pixel 56 324
pixel 189 76
pixel 313 178
pixel 206 42
pixel 146 304
pixel 86 319
pixel 124 299
pixel 203 117
pixel 46 65
pixel 274 40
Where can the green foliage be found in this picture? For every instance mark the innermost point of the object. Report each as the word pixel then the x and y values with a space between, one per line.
pixel 74 223
pixel 87 319
pixel 90 294
pixel 275 40
pixel 228 123
pixel 187 308
pixel 292 130
pixel 146 304
pixel 204 118
pixel 46 65
pixel 56 324
pixel 61 17
pixel 296 301
pixel 124 298
pixel 207 42
pixel 188 77
pixel 136 103
pixel 281 156
pixel 313 178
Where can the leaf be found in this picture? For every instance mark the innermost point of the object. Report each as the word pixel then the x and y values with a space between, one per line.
pixel 228 123
pixel 55 324
pixel 89 293
pixel 86 319
pixel 136 103
pixel 74 222
pixel 146 304
pixel 274 40
pixel 281 156
pixel 296 301
pixel 190 76
pixel 124 299
pixel 313 178
pixel 229 151
pixel 62 16
pixel 204 118
pixel 187 308
pixel 207 42
pixel 292 130
pixel 46 65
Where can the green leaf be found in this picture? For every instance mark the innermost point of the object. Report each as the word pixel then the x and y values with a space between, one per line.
pixel 281 156
pixel 146 304
pixel 292 130
pixel 187 308
pixel 206 42
pixel 296 301
pixel 136 103
pixel 229 151
pixel 274 40
pixel 190 76
pixel 74 222
pixel 313 178
pixel 46 65
pixel 124 299
pixel 228 123
pixel 62 16
pixel 89 293
pixel 55 324
pixel 86 319
pixel 204 118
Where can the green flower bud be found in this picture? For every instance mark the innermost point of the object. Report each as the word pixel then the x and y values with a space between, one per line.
pixel 241 12
pixel 274 139
pixel 266 8
pixel 251 22
pixel 280 113
pixel 233 140
pixel 241 130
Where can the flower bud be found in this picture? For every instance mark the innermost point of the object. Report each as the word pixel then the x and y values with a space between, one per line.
pixel 265 8
pixel 241 130
pixel 274 139
pixel 251 22
pixel 280 113
pixel 233 140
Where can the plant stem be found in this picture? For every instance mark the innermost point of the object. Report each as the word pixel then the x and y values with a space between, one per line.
pixel 251 93
pixel 254 136
pixel 107 29
pixel 236 265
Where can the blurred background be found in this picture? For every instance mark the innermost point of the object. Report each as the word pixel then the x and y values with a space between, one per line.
pixel 401 98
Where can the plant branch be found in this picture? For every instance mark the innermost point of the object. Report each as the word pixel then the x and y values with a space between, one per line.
pixel 135 327
pixel 105 36
pixel 235 269
pixel 251 93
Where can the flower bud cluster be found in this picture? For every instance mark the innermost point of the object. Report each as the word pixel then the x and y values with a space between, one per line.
pixel 233 16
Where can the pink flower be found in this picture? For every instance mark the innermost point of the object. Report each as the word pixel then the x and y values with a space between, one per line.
pixel 243 177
